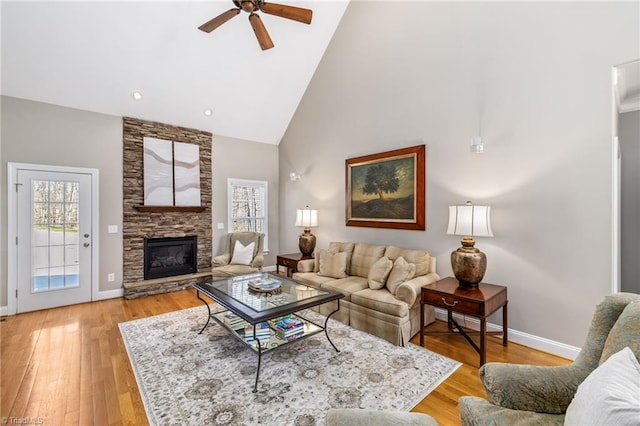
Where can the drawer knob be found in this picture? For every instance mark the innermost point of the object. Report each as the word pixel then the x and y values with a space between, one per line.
pixel 455 302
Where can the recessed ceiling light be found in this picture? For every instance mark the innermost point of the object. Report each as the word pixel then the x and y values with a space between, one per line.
pixel 137 96
pixel 208 112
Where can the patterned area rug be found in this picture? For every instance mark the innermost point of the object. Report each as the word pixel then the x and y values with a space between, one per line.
pixel 186 378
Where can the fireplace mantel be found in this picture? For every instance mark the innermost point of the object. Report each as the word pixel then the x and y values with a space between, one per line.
pixel 164 209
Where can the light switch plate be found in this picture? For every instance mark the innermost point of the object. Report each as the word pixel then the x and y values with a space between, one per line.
pixel 220 225
pixel 113 229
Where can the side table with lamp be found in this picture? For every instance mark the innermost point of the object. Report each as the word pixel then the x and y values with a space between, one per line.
pixel 466 294
pixel 306 218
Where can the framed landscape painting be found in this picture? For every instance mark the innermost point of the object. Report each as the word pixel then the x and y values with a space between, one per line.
pixel 387 190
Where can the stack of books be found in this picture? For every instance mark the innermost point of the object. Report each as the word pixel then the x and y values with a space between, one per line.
pixel 289 328
pixel 233 321
pixel 263 284
pixel 263 332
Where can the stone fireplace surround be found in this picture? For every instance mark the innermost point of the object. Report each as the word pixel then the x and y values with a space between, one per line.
pixel 140 222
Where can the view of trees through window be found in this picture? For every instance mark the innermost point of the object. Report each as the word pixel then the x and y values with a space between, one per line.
pixel 247 206
pixel 55 242
pixel 55 203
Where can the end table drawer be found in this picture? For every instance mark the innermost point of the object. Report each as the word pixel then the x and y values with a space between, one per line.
pixel 289 263
pixel 449 302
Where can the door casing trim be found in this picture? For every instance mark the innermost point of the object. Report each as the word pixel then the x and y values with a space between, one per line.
pixel 12 229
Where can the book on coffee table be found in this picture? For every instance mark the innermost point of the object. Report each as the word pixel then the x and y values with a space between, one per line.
pixel 264 284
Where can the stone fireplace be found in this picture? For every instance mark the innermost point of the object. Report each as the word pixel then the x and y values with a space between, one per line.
pixel 143 223
pixel 170 257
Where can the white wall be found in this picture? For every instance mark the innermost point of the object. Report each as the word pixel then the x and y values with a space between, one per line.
pixel 39 133
pixel 35 132
pixel 534 79
pixel 241 159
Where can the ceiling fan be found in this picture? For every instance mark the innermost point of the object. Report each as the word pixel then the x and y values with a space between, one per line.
pixel 251 6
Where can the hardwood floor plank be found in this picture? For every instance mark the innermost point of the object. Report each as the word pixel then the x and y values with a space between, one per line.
pixel 70 366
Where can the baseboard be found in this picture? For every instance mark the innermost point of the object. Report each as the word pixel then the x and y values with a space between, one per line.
pixel 102 295
pixel 110 294
pixel 525 339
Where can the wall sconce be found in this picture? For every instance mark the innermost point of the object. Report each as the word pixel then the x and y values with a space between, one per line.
pixel 477 147
pixel 294 176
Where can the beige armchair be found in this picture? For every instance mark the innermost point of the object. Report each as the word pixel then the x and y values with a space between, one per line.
pixel 539 395
pixel 236 260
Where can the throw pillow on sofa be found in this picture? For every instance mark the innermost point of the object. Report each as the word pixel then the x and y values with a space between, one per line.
pixel 402 271
pixel 242 255
pixel 379 272
pixel 338 247
pixel 332 265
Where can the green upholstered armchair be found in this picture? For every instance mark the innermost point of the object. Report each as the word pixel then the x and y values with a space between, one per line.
pixel 225 265
pixel 537 395
pixel 364 417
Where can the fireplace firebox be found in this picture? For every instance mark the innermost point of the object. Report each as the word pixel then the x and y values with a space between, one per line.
pixel 168 257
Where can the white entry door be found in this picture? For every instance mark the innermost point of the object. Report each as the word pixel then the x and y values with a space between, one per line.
pixel 54 241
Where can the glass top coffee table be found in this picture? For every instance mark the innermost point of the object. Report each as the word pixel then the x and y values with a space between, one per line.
pixel 263 310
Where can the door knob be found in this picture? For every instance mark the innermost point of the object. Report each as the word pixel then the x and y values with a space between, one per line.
pixel 86 235
pixel 86 244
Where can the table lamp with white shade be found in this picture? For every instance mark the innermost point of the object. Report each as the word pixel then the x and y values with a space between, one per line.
pixel 467 262
pixel 307 218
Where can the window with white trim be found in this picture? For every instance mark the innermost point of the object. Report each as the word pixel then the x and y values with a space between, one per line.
pixel 247 206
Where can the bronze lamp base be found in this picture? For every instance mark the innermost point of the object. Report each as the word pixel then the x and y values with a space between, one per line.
pixel 307 242
pixel 468 264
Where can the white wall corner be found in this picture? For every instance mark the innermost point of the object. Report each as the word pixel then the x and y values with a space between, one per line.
pixel 515 336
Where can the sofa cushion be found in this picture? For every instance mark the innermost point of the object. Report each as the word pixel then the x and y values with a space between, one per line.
pixel 401 272
pixel 346 286
pixel 332 265
pixel 311 278
pixel 609 395
pixel 380 300
pixel 228 271
pixel 421 258
pixel 364 256
pixel 338 247
pixel 379 272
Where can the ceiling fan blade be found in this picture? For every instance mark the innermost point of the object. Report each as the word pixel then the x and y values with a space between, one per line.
pixel 261 32
pixel 290 12
pixel 214 23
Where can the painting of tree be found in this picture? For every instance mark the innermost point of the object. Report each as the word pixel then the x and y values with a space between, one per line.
pixel 381 179
pixel 387 189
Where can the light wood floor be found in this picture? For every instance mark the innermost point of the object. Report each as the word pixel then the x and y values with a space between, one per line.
pixel 69 366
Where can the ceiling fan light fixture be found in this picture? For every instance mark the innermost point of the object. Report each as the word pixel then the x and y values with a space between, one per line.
pixel 251 6
pixel 248 6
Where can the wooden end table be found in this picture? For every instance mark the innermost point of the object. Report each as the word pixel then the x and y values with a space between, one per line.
pixel 289 262
pixel 478 302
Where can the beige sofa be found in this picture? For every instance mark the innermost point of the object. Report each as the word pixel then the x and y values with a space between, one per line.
pixel 381 285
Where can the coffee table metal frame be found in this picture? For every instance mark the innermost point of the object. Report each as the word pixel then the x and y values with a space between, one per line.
pixel 253 317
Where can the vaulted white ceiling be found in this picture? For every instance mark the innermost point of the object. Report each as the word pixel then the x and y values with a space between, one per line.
pixel 92 55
